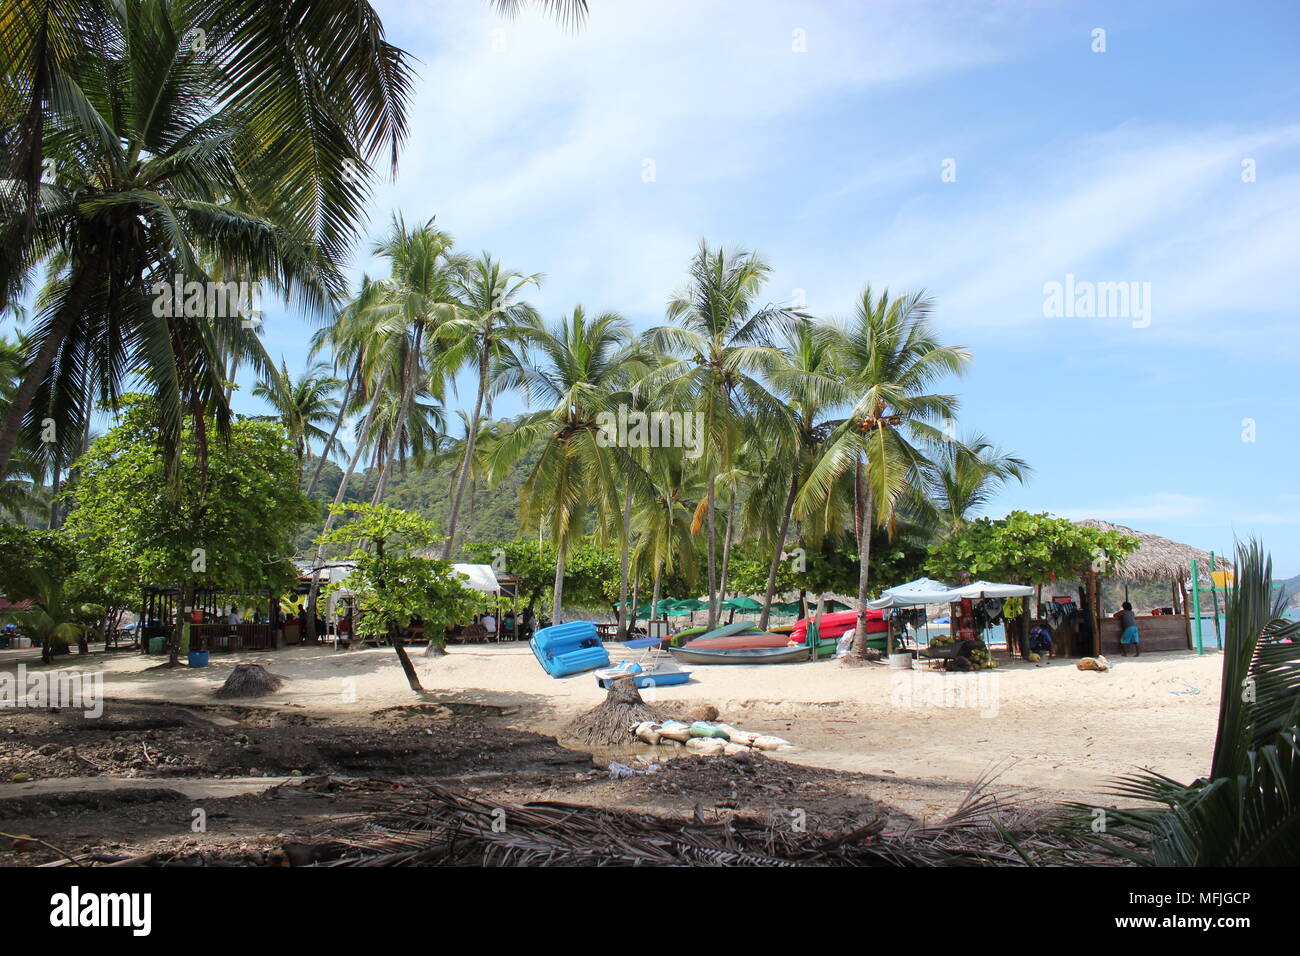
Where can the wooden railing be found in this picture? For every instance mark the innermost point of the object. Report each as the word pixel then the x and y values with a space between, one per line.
pixel 230 637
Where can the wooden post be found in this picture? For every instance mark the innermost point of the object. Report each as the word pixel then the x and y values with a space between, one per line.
pixel 1187 617
pixel 1196 606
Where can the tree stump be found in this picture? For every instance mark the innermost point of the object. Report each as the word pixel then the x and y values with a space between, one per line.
pixel 250 680
pixel 609 723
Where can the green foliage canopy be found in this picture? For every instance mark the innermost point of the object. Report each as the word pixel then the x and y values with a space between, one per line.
pixel 229 525
pixel 1026 548
pixel 392 581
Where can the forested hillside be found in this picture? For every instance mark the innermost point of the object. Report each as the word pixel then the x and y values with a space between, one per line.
pixel 489 514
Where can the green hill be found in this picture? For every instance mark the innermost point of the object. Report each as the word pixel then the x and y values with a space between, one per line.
pixel 489 514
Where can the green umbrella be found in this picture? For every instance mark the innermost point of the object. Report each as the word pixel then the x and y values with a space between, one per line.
pixel 677 612
pixel 690 604
pixel 743 604
pixel 792 607
pixel 837 606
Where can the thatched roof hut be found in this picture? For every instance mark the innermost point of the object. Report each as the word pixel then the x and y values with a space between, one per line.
pixel 1157 558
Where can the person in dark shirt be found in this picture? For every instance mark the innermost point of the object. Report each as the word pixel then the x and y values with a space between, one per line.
pixel 1128 631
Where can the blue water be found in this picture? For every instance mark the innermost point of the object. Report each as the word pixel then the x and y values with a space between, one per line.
pixel 1210 638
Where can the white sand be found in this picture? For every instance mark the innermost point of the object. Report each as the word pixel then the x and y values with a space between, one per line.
pixel 928 735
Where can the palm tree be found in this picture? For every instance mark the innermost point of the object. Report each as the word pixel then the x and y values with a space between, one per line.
pixel 420 296
pixel 144 138
pixel 889 358
pixel 582 373
pixel 665 518
pixel 486 332
pixel 807 379
pixel 962 477
pixel 420 437
pixel 19 488
pixel 52 618
pixel 720 351
pixel 302 404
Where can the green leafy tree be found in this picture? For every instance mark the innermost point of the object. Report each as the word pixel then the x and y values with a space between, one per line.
pixel 394 582
pixel 1026 548
pixel 227 521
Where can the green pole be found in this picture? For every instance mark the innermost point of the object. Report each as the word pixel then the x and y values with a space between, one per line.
pixel 1214 592
pixel 1196 606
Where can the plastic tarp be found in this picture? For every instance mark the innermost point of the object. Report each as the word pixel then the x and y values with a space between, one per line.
pixel 481 576
pixel 920 591
pixel 992 589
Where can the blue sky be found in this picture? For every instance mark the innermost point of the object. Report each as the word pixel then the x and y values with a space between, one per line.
pixel 1117 166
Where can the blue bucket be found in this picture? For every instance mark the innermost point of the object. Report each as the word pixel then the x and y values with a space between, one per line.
pixel 198 658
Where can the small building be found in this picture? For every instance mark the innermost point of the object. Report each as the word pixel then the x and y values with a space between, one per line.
pixel 1157 560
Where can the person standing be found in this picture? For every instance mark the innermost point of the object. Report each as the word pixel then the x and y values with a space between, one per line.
pixel 1128 631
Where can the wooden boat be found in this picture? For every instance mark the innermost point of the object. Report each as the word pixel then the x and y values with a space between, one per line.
pixel 741 655
pixel 749 640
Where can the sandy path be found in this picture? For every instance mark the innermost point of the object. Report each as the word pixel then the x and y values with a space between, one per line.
pixel 926 735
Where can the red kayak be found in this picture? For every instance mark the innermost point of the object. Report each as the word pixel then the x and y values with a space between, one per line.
pixel 841 622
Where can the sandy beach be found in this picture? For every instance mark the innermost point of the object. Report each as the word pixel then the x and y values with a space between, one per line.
pixel 1052 731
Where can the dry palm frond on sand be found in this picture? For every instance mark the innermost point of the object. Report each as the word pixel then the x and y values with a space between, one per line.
pixel 438 827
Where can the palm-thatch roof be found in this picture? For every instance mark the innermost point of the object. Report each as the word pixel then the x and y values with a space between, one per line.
pixel 1157 558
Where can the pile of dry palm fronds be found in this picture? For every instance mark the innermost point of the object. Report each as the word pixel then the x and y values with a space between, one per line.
pixel 433 826
pixel 609 723
pixel 250 680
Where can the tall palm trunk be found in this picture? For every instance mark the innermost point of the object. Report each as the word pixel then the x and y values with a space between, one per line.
pixel 713 571
pixel 469 456
pixel 557 595
pixel 862 506
pixel 627 551
pixel 403 409
pixel 777 549
pixel 75 303
pixel 54 495
pixel 334 432
pixel 726 556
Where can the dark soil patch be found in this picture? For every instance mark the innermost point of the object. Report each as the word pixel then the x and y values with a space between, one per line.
pixel 135 740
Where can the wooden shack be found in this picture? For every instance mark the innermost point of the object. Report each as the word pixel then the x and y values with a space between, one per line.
pixel 1157 559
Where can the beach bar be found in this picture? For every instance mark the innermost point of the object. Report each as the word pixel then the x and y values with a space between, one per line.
pixel 1156 560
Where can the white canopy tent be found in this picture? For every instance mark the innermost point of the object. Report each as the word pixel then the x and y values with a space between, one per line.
pixel 913 593
pixel 481 577
pixel 992 589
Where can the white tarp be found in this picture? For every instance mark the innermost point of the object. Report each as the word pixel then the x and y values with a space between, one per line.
pixel 481 576
pixel 920 591
pixel 992 589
